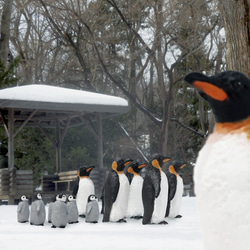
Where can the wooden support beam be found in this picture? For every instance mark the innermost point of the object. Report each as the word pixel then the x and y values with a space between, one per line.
pixel 100 142
pixel 11 139
pixel 25 122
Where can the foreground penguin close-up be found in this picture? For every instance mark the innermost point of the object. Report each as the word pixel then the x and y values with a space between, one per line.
pixel 222 172
pixel 155 191
pixel 116 191
pixel 83 188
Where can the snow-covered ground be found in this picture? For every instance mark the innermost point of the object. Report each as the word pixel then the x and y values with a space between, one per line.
pixel 179 234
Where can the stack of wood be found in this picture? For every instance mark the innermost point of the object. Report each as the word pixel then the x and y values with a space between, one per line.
pixel 4 183
pixel 21 182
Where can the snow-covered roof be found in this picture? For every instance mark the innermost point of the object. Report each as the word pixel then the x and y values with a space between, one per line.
pixel 51 103
pixel 56 98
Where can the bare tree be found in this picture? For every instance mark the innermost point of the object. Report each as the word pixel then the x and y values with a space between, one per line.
pixel 5 30
pixel 237 26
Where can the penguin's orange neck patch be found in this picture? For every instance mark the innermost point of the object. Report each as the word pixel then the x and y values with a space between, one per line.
pixel 82 177
pixel 172 170
pixel 211 90
pixel 233 127
pixel 156 164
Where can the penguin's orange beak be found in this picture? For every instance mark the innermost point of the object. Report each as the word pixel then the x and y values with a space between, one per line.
pixel 142 166
pixel 211 90
pixel 182 166
pixel 166 159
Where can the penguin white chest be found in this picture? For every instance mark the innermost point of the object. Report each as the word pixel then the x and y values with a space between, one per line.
pixel 119 207
pixel 222 185
pixel 86 188
pixel 160 204
pixel 175 203
pixel 135 205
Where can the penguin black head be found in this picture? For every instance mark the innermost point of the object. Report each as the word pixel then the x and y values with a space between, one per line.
pixel 85 171
pixel 228 94
pixel 160 159
pixel 176 167
pixel 136 167
pixel 92 197
pixel 71 198
pixel 36 196
pixel 120 164
pixel 23 198
pixel 61 197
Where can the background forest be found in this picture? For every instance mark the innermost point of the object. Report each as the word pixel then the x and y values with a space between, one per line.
pixel 136 49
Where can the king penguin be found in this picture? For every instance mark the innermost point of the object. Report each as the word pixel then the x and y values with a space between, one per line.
pixel 155 191
pixel 175 189
pixel 23 211
pixel 135 206
pixel 72 210
pixel 59 216
pixel 92 210
pixel 37 210
pixel 222 169
pixel 116 191
pixel 83 188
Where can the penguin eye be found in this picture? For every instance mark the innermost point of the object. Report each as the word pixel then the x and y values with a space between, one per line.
pixel 237 85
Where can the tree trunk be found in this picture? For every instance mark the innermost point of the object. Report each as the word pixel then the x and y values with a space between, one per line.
pixel 237 26
pixel 5 31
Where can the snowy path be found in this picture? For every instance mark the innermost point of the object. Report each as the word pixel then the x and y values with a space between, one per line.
pixel 179 234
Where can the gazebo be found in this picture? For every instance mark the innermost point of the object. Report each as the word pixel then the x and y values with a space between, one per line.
pixel 46 106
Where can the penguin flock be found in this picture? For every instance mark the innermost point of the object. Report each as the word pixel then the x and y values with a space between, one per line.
pixel 127 193
pixel 151 196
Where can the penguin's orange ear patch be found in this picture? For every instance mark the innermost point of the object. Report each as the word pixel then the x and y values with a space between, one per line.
pixel 172 170
pixel 114 165
pixel 211 90
pixel 130 170
pixel 156 164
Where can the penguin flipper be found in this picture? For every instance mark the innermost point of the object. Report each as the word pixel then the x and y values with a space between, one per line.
pixel 172 182
pixel 76 186
pixel 148 197
pixel 110 193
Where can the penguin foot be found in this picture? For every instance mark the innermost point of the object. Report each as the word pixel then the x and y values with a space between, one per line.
pixel 93 222
pixel 122 220
pixel 73 222
pixel 137 217
pixel 163 223
pixel 23 221
pixel 82 215
pixel 53 226
pixel 178 216
pixel 62 226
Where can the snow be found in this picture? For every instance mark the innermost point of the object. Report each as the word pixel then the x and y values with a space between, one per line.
pixel 179 234
pixel 48 93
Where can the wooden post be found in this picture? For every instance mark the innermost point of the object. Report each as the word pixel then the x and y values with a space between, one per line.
pixel 100 142
pixel 58 148
pixel 11 139
pixel 11 152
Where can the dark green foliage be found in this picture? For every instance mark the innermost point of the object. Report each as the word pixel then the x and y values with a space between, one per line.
pixel 7 74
